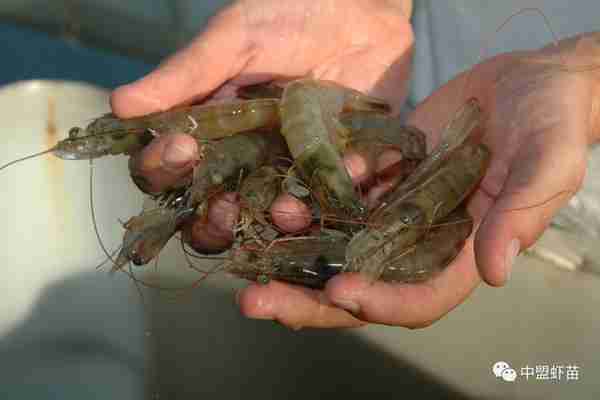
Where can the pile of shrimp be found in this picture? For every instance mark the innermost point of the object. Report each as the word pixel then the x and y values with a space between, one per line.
pixel 291 138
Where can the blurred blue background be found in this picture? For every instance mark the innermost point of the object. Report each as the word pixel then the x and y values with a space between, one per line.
pixel 28 54
pixel 107 42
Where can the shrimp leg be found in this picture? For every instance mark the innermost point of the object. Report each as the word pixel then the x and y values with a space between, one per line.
pixel 313 260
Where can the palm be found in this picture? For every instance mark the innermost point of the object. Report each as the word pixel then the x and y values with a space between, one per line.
pixel 532 112
pixel 537 127
pixel 288 40
pixel 254 41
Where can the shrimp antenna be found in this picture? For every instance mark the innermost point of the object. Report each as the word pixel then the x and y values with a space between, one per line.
pixel 93 214
pixel 114 253
pixel 18 160
pixel 487 42
pixel 136 283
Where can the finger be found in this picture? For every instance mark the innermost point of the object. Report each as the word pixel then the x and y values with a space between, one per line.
pixel 360 166
pixel 434 113
pixel 293 306
pixel 408 305
pixel 213 232
pixel 382 187
pixel 388 179
pixel 290 214
pixel 164 163
pixel 216 55
pixel 293 215
pixel 541 180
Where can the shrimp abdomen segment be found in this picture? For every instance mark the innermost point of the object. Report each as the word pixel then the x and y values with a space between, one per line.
pixel 427 203
pixel 308 113
pixel 436 249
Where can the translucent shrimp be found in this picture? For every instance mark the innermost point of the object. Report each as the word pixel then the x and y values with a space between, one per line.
pixel 371 132
pixel 438 186
pixel 232 158
pixel 223 163
pixel 110 135
pixel 309 113
pixel 148 233
pixel 311 261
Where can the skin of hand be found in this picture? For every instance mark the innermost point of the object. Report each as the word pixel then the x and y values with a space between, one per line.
pixel 540 112
pixel 257 40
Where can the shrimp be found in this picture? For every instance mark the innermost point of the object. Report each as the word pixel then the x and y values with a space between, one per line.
pixel 224 160
pixel 439 185
pixel 258 191
pixel 365 124
pixel 110 135
pixel 269 90
pixel 436 249
pixel 370 132
pixel 311 261
pixel 416 234
pixel 148 233
pixel 309 112
pixel 227 159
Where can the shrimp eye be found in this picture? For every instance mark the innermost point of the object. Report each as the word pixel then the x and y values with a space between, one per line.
pixel 411 214
pixel 74 132
pixel 136 258
pixel 263 279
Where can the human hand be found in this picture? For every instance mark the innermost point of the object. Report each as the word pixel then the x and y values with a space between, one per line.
pixel 541 112
pixel 253 41
pixel 406 305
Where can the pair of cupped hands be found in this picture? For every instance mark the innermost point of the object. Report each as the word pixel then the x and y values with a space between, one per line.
pixel 541 114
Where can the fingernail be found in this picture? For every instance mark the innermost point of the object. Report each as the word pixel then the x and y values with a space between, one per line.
pixel 347 305
pixel 511 253
pixel 176 156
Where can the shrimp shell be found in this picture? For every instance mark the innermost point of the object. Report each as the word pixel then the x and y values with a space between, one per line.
pixel 233 157
pixel 423 206
pixel 312 261
pixel 309 110
pixel 112 135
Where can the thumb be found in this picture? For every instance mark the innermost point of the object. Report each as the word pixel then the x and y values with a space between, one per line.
pixel 216 55
pixel 541 178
